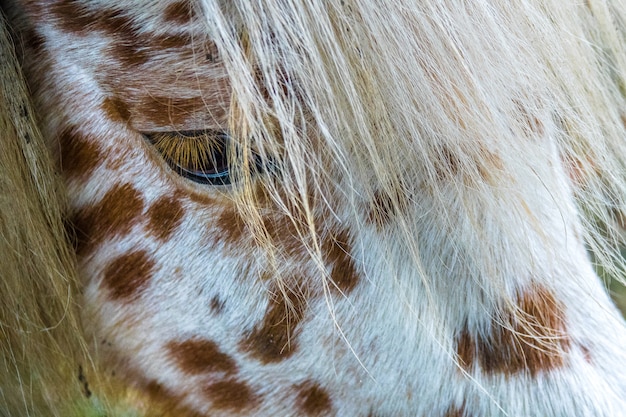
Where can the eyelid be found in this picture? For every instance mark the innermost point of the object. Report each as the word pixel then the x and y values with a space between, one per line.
pixel 198 155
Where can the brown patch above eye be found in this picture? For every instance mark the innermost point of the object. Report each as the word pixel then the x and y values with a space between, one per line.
pixel 534 340
pixel 197 356
pixel 312 400
pixel 174 111
pixel 116 110
pixel 128 274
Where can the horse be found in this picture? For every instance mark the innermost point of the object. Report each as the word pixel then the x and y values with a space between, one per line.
pixel 312 208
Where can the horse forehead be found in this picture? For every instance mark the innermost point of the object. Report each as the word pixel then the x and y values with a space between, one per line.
pixel 152 60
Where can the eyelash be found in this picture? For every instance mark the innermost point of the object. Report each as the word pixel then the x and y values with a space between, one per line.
pixel 200 156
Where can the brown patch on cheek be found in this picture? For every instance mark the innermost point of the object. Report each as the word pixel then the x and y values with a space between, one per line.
pixel 128 275
pixel 79 155
pixel 231 395
pixel 197 356
pixel 337 252
pixel 535 340
pixel 118 211
pixel 164 216
pixel 273 340
pixel 161 401
pixel 312 400
pixel 115 109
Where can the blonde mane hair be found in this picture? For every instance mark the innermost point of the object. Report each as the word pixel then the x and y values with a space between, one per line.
pixel 437 98
pixel 433 97
pixel 41 337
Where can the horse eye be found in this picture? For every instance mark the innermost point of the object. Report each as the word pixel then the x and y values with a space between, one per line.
pixel 200 156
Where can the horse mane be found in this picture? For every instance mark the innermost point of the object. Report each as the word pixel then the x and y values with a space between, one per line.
pixel 42 343
pixel 433 95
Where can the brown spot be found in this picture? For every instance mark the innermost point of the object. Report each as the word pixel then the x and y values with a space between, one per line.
pixel 273 340
pixel 536 125
pixel 454 411
pixel 465 348
pixel 231 225
pixel 170 42
pixel 179 12
pixel 387 205
pixel 75 17
pixel 130 49
pixel 172 111
pixel 71 16
pixel 489 166
pixel 532 340
pixel 337 253
pixel 116 110
pixel 231 395
pixel 447 165
pixel 201 199
pixel 381 209
pixel 115 214
pixel 164 216
pixel 80 155
pixel 216 305
pixel 484 164
pixel 283 234
pixel 312 400
pixel 128 274
pixel 34 41
pixel 163 402
pixel 197 356
pixel 586 353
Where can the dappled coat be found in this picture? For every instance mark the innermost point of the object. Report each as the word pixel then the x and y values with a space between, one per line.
pixel 312 208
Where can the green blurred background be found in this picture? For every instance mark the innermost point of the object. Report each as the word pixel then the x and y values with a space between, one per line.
pixel 618 293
